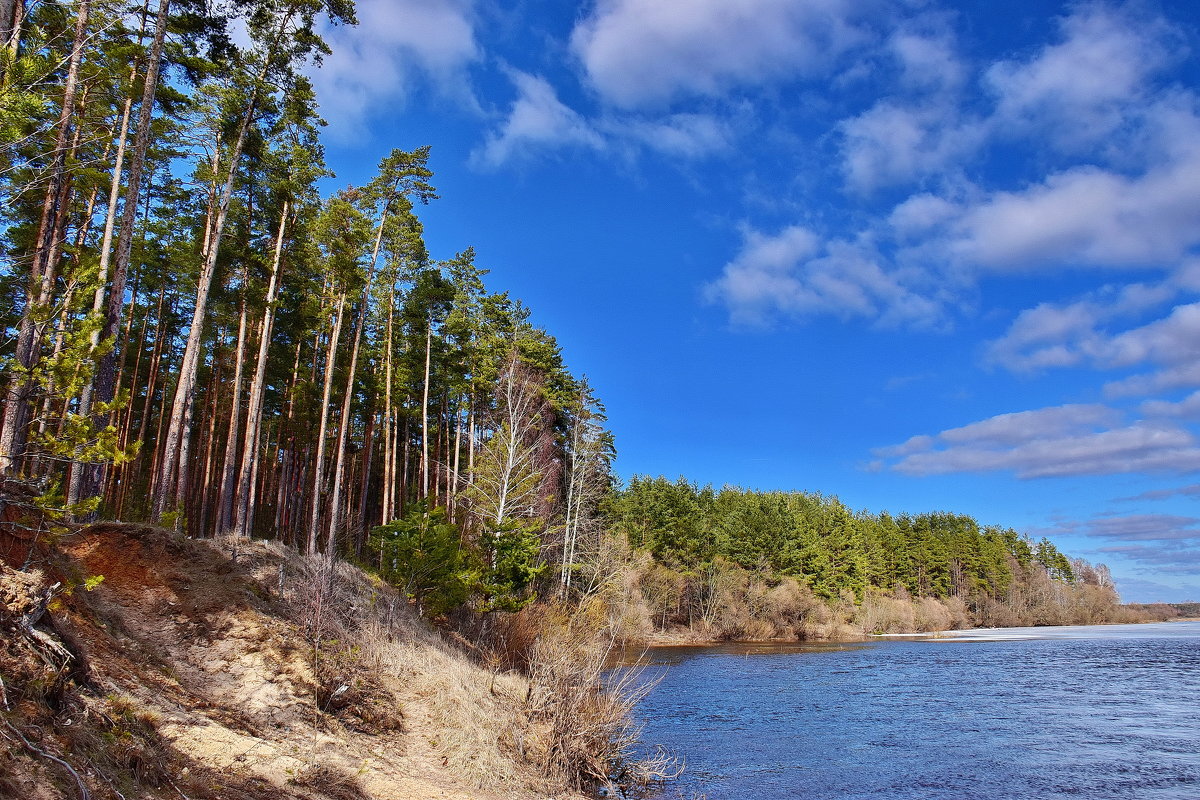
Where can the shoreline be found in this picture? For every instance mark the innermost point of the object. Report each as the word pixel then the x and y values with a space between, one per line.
pixel 683 639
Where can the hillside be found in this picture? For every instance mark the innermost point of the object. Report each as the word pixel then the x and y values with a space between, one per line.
pixel 190 671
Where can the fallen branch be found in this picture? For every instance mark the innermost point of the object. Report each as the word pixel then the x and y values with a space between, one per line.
pixel 84 794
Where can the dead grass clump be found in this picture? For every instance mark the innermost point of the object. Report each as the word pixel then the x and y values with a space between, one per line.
pixel 119 739
pixel 356 627
pixel 509 640
pixel 331 783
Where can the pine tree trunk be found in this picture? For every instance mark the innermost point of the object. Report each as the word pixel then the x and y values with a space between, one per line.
pixel 365 483
pixel 14 431
pixel 12 17
pixel 229 466
pixel 314 517
pixel 335 518
pixel 389 422
pixel 173 461
pixel 425 412
pixel 244 521
pixel 98 296
pixel 104 385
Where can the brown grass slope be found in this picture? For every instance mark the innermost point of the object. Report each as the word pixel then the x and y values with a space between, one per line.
pixel 196 671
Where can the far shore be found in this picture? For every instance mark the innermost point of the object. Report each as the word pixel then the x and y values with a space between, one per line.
pixel 687 639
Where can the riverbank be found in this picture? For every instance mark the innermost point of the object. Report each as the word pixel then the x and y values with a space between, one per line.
pixel 140 664
pixel 865 623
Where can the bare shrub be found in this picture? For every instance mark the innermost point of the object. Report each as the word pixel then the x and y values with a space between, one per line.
pixel 930 615
pixel 880 613
pixel 588 709
pixel 960 615
pixel 663 591
pixel 991 613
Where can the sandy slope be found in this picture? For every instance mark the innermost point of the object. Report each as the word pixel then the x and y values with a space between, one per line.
pixel 214 657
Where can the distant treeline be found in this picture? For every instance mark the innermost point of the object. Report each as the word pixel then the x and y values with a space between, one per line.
pixel 1165 611
pixel 872 571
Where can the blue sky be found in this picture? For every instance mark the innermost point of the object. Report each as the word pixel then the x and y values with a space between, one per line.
pixel 920 256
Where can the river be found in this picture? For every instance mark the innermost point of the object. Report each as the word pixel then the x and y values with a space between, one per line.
pixel 1009 714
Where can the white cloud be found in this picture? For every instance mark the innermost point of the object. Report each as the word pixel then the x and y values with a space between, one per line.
pixel 1051 335
pixel 795 273
pixel 1162 380
pixel 927 60
pixel 1022 426
pixel 1078 90
pixel 1173 558
pixel 1188 408
pixel 1191 490
pixel 1145 528
pixel 681 135
pixel 1088 216
pixel 537 120
pixel 1050 442
pixel 917 216
pixel 645 52
pixel 1077 334
pixel 396 43
pixel 893 144
pixel 1173 339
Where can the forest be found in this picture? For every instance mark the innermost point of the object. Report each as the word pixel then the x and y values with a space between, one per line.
pixel 197 337
pixel 744 564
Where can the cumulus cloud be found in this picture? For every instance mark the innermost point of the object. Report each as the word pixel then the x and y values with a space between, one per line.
pixel 646 52
pixel 1073 335
pixel 795 273
pixel 1188 408
pixel 1050 442
pixel 928 60
pixel 395 44
pixel 537 120
pixel 893 143
pixel 1088 216
pixel 1062 335
pixel 1078 90
pixel 922 129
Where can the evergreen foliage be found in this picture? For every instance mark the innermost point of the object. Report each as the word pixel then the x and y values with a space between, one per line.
pixel 193 335
pixel 821 542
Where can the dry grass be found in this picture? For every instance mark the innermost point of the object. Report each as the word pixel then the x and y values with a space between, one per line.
pixel 468 715
pixel 587 708
pixel 331 783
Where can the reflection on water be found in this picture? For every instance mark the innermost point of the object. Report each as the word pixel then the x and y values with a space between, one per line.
pixel 1095 713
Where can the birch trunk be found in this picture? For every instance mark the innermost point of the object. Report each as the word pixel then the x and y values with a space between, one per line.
pixel 335 517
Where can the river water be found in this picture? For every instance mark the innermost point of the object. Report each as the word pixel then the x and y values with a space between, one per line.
pixel 1010 714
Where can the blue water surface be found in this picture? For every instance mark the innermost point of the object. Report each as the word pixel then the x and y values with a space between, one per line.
pixel 1094 713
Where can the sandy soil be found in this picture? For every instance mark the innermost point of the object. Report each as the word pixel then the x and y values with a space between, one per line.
pixel 213 655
